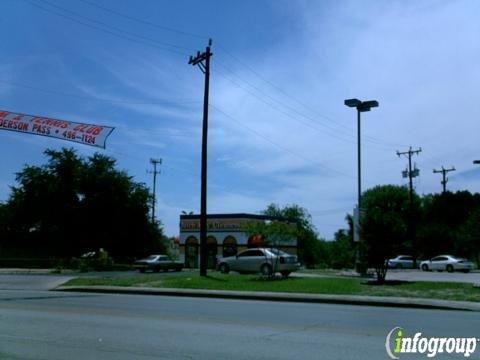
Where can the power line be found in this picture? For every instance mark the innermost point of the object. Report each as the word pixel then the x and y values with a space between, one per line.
pixel 280 146
pixel 280 89
pixel 371 140
pixel 129 33
pixel 141 21
pixel 278 103
pixel 114 31
pixel 223 49
pixel 331 131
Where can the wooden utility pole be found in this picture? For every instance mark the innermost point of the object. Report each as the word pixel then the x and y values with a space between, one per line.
pixel 444 176
pixel 202 60
pixel 411 173
pixel 154 162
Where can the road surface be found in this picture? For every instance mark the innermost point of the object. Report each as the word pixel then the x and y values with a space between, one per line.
pixel 49 325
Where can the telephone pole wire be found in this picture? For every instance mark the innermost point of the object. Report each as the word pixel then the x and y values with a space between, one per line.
pixel 154 162
pixel 444 176
pixel 202 60
pixel 411 173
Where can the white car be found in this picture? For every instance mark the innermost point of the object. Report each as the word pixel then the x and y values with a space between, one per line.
pixel 447 262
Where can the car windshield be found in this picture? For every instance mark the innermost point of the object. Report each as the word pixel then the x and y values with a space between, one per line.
pixel 151 257
pixel 277 252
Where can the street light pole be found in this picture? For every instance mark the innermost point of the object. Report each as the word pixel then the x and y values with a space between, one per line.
pixel 361 106
pixel 359 162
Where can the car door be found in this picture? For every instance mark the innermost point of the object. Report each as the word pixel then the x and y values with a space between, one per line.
pixel 438 263
pixel 255 260
pixel 407 262
pixel 241 261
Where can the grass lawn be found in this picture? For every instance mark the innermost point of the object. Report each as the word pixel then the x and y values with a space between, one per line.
pixel 324 285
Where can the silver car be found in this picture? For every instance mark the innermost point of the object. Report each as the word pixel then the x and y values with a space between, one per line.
pixel 447 262
pixel 263 260
pixel 158 263
pixel 401 262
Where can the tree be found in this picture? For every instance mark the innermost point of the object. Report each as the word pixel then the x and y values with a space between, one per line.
pixel 468 241
pixel 341 250
pixel 309 247
pixel 384 225
pixel 443 215
pixel 73 205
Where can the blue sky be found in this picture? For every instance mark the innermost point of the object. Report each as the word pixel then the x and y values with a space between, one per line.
pixel 279 131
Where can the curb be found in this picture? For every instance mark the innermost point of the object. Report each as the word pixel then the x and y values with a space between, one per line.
pixel 414 303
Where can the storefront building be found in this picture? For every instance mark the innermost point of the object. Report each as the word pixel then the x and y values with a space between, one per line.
pixel 225 237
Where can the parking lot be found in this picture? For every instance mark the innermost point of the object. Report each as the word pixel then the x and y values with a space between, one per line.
pixel 418 275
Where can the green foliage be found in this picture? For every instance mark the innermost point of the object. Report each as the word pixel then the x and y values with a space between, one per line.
pixel 384 224
pixel 443 226
pixel 72 205
pixel 468 238
pixel 309 246
pixel 274 233
pixel 342 251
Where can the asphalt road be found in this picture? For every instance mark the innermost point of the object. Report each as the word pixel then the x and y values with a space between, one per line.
pixel 48 325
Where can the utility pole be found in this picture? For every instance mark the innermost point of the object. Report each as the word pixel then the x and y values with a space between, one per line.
pixel 202 60
pixel 154 162
pixel 411 174
pixel 444 176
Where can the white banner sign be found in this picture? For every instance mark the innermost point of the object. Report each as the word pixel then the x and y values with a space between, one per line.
pixel 88 134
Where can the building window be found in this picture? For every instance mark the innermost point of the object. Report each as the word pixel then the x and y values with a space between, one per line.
pixel 229 246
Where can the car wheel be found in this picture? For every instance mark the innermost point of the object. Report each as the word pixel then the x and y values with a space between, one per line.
pixel 156 270
pixel 399 266
pixel 266 270
pixel 224 269
pixel 466 271
pixel 425 267
pixel 449 268
pixel 142 270
pixel 178 268
pixel 285 273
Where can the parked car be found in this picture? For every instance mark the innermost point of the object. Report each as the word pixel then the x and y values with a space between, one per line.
pixel 157 263
pixel 264 260
pixel 447 262
pixel 401 262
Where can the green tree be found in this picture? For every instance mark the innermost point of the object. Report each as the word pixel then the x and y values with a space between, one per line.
pixel 384 225
pixel 468 241
pixel 341 250
pixel 443 215
pixel 309 246
pixel 73 205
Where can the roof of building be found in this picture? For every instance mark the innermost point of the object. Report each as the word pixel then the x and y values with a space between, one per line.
pixel 236 216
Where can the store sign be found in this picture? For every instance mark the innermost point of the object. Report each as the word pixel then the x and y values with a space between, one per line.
pixel 88 134
pixel 213 224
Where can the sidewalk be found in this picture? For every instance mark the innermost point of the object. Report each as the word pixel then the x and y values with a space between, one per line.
pixel 288 297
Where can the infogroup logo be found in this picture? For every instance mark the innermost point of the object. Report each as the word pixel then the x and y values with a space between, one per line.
pixel 398 343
